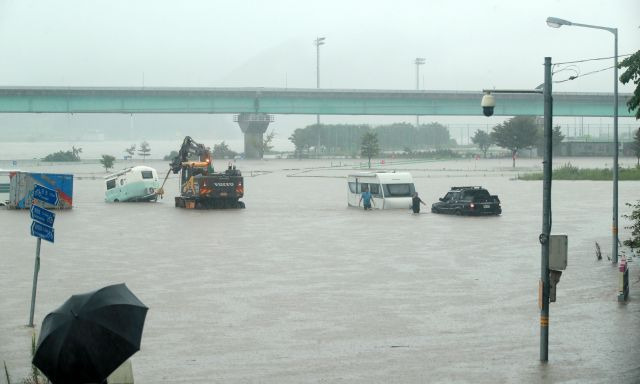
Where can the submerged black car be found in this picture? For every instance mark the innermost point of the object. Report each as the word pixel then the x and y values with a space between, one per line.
pixel 468 201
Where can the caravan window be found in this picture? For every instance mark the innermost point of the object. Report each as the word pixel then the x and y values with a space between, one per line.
pixel 147 174
pixel 111 184
pixel 375 190
pixel 371 187
pixel 398 190
pixel 358 187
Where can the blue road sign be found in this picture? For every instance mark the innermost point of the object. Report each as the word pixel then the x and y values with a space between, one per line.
pixel 42 215
pixel 45 194
pixel 42 231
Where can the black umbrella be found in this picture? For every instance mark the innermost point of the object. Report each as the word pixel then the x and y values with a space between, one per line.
pixel 90 335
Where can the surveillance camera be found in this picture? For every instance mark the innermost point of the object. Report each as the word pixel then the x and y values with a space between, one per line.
pixel 488 103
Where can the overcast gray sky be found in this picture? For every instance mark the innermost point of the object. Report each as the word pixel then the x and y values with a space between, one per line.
pixel 468 45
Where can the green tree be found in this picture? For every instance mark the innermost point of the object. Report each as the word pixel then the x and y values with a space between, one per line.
pixel 556 138
pixel 516 133
pixel 632 63
pixel 131 150
pixel 635 146
pixel 300 139
pixel 369 147
pixel 144 150
pixel 222 151
pixel 72 155
pixel 483 140
pixel 267 142
pixel 76 152
pixel 634 242
pixel 107 162
pixel 172 155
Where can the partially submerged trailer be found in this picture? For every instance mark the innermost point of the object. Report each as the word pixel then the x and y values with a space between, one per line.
pixel 4 187
pixel 389 190
pixel 21 186
pixel 138 183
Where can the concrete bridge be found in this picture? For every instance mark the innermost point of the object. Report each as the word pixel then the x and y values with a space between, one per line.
pixel 255 106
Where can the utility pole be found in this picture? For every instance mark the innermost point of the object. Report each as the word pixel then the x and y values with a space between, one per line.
pixel 546 213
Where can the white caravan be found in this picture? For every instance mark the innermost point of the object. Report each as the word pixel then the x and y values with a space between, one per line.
pixel 132 184
pixel 389 189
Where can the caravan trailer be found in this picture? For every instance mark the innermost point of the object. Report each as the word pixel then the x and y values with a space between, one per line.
pixel 389 190
pixel 132 184
pixel 4 188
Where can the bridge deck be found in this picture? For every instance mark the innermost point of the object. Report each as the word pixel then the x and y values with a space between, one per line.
pixel 295 101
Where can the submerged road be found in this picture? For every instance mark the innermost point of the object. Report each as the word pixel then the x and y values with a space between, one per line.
pixel 299 288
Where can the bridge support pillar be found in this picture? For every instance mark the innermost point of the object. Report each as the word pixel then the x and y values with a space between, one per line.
pixel 253 125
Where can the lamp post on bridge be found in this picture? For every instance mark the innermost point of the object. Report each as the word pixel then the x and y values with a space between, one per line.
pixel 555 22
pixel 419 61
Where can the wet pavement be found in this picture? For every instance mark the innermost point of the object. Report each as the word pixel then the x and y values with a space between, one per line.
pixel 300 288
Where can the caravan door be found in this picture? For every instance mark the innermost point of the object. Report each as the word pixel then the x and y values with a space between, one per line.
pixel 376 193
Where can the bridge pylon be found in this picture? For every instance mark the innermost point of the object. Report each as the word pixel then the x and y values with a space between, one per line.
pixel 253 125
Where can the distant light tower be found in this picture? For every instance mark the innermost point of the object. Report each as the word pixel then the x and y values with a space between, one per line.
pixel 318 42
pixel 419 61
pixel 555 22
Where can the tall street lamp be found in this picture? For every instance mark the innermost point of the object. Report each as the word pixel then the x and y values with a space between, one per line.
pixel 419 61
pixel 555 22
pixel 318 42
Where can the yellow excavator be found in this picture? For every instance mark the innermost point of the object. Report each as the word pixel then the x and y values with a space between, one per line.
pixel 200 186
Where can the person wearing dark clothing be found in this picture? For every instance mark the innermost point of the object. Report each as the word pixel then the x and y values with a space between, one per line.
pixel 415 203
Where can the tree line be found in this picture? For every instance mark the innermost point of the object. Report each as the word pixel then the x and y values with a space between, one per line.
pixel 346 139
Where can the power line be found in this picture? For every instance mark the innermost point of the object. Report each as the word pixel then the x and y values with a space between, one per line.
pixel 585 74
pixel 594 59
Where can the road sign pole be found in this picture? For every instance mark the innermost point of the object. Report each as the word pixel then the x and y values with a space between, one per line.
pixel 36 269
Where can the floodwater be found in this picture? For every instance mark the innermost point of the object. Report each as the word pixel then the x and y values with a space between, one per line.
pixel 298 287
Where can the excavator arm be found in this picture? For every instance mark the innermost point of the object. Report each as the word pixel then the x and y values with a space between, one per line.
pixel 189 148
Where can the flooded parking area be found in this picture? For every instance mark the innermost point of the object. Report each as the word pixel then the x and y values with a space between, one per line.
pixel 298 287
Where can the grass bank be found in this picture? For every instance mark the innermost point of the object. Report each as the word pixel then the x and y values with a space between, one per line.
pixel 570 172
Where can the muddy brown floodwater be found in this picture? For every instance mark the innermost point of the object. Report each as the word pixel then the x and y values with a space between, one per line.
pixel 298 287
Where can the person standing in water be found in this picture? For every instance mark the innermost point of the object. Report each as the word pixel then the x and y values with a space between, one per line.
pixel 366 197
pixel 415 203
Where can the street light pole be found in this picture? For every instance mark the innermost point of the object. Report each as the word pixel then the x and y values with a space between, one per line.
pixel 318 42
pixel 419 61
pixel 555 22
pixel 614 227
